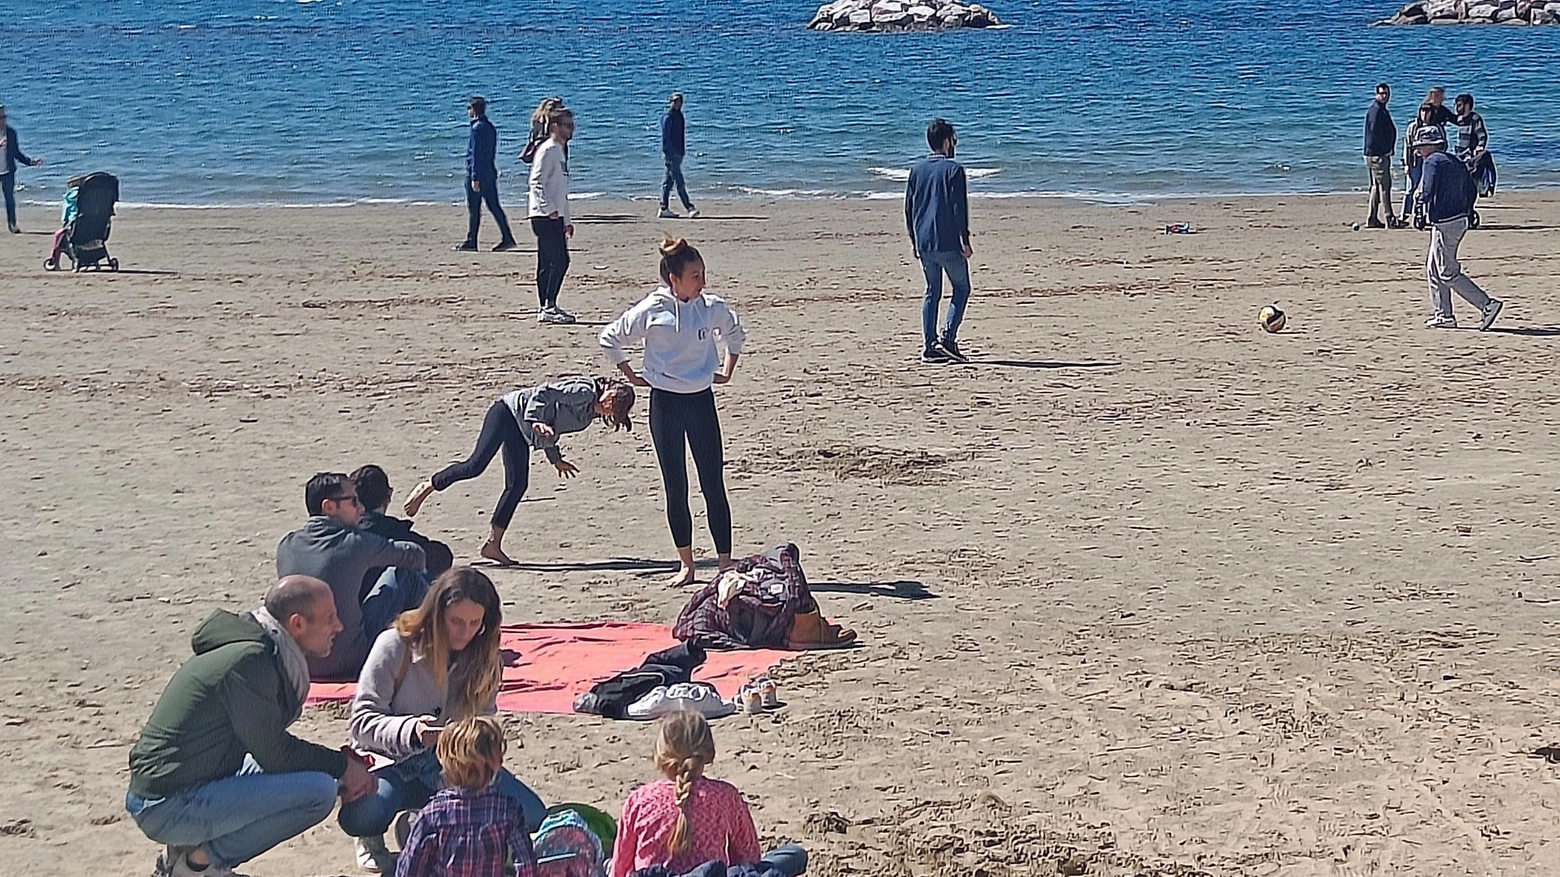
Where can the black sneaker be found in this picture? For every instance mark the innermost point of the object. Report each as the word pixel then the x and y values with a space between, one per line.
pixel 503 246
pixel 467 247
pixel 934 355
pixel 951 349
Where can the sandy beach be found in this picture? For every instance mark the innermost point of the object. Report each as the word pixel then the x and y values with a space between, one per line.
pixel 1142 589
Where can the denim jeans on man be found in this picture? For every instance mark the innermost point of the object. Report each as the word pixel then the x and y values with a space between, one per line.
pixel 409 785
pixel 1408 196
pixel 474 202
pixel 396 591
pixel 674 176
pixel 957 268
pixel 237 818
pixel 786 860
pixel 8 186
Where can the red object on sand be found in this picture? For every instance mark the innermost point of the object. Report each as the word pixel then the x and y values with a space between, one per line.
pixel 557 662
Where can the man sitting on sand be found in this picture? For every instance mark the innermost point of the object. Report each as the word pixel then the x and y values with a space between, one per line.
pixel 215 775
pixel 937 212
pixel 374 492
pixel 1447 191
pixel 332 548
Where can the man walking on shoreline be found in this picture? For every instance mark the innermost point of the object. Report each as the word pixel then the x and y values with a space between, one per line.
pixel 1380 143
pixel 482 179
pixel 674 147
pixel 549 213
pixel 937 213
pixel 1447 191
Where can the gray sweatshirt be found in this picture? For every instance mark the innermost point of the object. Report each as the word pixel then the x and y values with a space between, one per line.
pixel 567 405
pixel 384 715
pixel 340 555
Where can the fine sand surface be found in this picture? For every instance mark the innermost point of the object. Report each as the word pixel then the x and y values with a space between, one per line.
pixel 1143 586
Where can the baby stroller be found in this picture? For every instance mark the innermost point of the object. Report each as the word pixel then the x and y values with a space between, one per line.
pixel 86 238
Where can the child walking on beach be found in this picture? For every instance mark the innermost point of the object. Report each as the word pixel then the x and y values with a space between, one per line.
pixel 687 819
pixel 469 828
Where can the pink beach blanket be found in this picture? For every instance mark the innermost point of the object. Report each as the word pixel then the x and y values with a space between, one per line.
pixel 558 662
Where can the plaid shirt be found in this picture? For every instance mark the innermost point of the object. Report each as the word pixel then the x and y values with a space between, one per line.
pixel 468 834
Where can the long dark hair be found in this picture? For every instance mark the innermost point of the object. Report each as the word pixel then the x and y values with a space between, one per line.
pixel 478 667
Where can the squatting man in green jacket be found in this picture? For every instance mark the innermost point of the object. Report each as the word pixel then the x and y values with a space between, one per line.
pixel 215 776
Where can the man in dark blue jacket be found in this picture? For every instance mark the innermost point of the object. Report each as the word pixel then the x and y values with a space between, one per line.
pixel 1380 144
pixel 1447 191
pixel 937 213
pixel 674 147
pixel 11 155
pixel 482 178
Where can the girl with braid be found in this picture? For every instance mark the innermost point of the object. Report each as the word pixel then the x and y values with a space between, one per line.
pixel 687 819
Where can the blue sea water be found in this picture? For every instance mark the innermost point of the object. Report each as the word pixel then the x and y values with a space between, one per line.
pixel 296 102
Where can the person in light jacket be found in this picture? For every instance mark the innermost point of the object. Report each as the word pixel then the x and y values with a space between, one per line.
pixel 439 664
pixel 549 214
pixel 680 326
pixel 526 419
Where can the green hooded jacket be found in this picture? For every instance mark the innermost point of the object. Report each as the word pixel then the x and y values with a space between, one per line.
pixel 231 699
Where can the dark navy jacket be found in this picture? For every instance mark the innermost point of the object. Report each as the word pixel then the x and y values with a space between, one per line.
pixel 13 152
pixel 1380 132
pixel 937 209
pixel 672 134
pixel 482 151
pixel 1446 188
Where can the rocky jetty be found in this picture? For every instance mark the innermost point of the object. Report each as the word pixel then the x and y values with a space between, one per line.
pixel 1478 12
pixel 901 15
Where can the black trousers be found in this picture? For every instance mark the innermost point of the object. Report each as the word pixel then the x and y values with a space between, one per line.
pixel 552 258
pixel 500 432
pixel 474 201
pixel 688 420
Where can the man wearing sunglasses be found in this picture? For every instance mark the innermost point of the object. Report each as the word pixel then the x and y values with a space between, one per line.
pixel 331 547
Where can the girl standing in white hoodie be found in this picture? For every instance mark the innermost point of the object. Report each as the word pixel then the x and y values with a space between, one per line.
pixel 680 327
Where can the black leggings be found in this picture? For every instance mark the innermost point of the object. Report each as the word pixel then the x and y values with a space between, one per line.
pixel 499 431
pixel 552 258
pixel 679 420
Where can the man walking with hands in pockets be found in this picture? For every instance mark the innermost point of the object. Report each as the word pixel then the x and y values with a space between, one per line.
pixel 937 213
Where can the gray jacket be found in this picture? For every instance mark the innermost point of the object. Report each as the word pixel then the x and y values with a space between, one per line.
pixel 567 405
pixel 384 714
pixel 340 555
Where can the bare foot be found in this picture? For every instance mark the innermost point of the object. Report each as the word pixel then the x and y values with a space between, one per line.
pixel 491 551
pixel 420 494
pixel 682 579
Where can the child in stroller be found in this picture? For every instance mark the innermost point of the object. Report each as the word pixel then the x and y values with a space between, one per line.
pixel 87 222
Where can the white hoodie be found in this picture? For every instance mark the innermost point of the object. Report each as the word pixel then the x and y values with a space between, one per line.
pixel 679 337
pixel 549 182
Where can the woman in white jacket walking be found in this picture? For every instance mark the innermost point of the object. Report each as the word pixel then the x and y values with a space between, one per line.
pixel 438 664
pixel 680 327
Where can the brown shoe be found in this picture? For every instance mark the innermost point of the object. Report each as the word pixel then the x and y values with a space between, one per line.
pixel 809 630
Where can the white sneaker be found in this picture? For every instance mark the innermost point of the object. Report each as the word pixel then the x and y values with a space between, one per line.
pixel 373 856
pixel 1441 323
pixel 1491 311
pixel 649 706
pixel 561 316
pixel 694 214
pixel 541 315
pixel 665 214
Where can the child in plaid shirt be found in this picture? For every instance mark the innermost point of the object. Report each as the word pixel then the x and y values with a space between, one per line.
pixel 468 829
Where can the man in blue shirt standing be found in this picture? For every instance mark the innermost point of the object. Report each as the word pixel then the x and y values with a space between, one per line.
pixel 674 147
pixel 482 178
pixel 1447 191
pixel 937 213
pixel 11 155
pixel 1380 143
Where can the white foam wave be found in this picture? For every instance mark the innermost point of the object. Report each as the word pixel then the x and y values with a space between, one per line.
pixel 892 173
pixel 586 196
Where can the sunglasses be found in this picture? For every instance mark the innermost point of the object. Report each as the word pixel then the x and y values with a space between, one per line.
pixel 352 499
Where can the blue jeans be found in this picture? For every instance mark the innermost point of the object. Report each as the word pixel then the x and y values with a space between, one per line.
pixel 409 785
pixel 1408 196
pixel 787 860
pixel 674 176
pixel 958 269
pixel 8 185
pixel 237 818
pixel 474 201
pixel 396 591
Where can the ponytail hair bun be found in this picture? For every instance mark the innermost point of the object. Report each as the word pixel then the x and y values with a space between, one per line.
pixel 676 255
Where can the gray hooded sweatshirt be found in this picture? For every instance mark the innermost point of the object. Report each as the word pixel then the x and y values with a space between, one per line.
pixel 567 405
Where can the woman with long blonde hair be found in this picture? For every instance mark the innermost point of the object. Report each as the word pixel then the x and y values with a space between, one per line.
pixel 688 819
pixel 437 665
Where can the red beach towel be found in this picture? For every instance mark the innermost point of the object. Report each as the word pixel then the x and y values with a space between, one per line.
pixel 558 662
